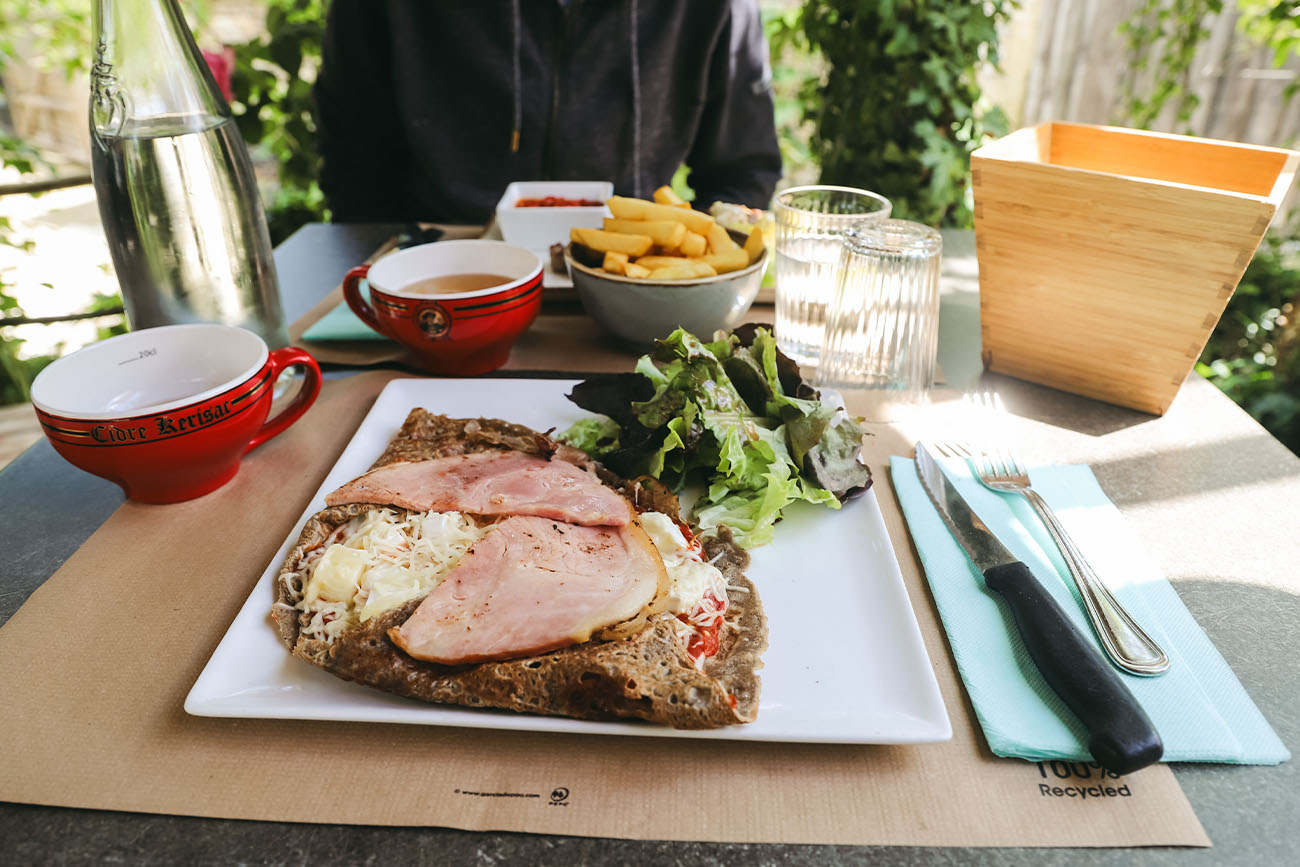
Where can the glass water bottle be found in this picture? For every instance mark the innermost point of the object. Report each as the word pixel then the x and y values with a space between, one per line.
pixel 173 178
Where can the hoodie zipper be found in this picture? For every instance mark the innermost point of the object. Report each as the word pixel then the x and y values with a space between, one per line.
pixel 561 57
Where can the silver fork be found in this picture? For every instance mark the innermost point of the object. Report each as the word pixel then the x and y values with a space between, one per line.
pixel 1127 644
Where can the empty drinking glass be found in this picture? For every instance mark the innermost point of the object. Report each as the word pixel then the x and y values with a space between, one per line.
pixel 810 222
pixel 882 323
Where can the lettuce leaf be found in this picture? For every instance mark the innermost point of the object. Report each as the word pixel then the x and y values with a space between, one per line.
pixel 733 414
pixel 593 435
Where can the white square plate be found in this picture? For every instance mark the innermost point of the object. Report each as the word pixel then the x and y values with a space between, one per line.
pixel 845 662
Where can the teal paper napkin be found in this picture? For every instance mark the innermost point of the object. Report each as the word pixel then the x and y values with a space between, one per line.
pixel 342 324
pixel 1199 707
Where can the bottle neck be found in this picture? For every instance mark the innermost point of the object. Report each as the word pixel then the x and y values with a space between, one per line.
pixel 148 76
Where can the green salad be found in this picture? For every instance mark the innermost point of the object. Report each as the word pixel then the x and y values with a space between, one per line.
pixel 733 415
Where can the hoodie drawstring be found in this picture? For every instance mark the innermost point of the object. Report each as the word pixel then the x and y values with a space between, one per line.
pixel 518 119
pixel 636 104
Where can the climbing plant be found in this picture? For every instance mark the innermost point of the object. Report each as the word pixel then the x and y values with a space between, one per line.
pixel 1162 38
pixel 1253 354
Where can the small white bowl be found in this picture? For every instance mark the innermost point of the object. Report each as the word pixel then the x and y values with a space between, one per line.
pixel 641 311
pixel 539 228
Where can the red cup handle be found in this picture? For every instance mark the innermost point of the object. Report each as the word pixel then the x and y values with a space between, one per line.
pixel 281 359
pixel 359 305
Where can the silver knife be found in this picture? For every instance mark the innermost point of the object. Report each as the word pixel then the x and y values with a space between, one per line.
pixel 1120 734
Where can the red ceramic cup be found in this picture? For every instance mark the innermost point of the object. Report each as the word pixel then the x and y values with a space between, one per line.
pixel 167 413
pixel 460 333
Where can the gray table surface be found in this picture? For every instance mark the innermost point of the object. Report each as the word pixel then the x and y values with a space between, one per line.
pixel 1215 494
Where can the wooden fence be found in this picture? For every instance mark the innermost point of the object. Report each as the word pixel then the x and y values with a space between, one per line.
pixel 1066 60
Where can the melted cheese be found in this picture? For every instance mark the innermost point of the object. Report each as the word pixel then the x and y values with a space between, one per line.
pixel 691 577
pixel 382 560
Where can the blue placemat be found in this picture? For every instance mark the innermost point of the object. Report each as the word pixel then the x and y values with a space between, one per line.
pixel 1199 707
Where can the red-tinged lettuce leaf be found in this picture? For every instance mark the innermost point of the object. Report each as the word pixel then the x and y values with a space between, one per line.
pixel 834 462
pixel 791 379
pixel 613 394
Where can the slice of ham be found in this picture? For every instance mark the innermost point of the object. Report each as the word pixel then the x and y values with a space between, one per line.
pixel 532 585
pixel 490 483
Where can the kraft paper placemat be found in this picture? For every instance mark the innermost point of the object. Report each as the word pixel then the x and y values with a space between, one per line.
pixel 99 660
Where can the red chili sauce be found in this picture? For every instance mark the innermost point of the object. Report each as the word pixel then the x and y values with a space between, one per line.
pixel 703 643
pixel 557 202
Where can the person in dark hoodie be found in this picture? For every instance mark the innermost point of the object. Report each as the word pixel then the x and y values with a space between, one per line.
pixel 427 110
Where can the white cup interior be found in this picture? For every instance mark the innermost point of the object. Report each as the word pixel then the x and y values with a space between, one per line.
pixel 398 270
pixel 148 371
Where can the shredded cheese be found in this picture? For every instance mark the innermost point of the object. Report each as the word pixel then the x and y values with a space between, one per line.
pixel 699 590
pixel 691 576
pixel 376 562
pixel 382 559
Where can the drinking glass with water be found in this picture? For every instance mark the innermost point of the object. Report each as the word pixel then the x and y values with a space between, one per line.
pixel 882 322
pixel 810 224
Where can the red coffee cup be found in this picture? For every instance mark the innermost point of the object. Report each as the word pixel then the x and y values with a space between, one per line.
pixel 452 332
pixel 167 413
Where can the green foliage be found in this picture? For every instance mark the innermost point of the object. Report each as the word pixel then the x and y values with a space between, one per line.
pixel 1178 28
pixel 1275 23
pixel 50 34
pixel 109 304
pixel 1253 355
pixel 16 374
pixel 898 109
pixel 792 64
pixel 271 82
pixel 54 34
pixel 17 154
pixel 272 103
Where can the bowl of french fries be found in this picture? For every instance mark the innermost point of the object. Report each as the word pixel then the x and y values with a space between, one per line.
pixel 658 264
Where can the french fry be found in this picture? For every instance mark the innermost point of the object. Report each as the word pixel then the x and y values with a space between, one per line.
pixel 666 233
pixel 665 196
pixel 719 240
pixel 618 242
pixel 732 260
pixel 635 269
pixel 625 208
pixel 639 209
pixel 694 244
pixel 754 244
pixel 662 261
pixel 689 271
pixel 615 263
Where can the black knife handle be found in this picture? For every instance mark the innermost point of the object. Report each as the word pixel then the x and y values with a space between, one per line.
pixel 1121 736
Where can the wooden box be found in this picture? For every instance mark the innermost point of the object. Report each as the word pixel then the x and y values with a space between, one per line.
pixel 1106 255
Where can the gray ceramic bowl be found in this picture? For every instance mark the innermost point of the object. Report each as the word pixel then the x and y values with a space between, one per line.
pixel 640 311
